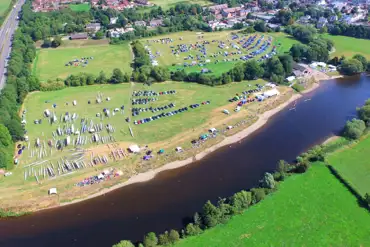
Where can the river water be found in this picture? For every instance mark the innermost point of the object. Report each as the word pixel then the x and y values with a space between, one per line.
pixel 167 201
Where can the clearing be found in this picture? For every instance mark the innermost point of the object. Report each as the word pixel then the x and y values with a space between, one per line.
pixel 216 52
pixel 352 163
pixel 313 209
pixel 52 63
pixel 83 7
pixel 348 46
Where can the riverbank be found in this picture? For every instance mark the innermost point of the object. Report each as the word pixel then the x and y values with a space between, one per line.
pixel 146 176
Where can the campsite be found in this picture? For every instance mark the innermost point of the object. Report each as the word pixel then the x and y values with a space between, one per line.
pixel 92 127
pixel 51 63
pixel 208 52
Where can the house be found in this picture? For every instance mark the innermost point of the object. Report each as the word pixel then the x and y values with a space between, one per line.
pixel 117 32
pixel 305 19
pixel 290 78
pixel 333 18
pixel 77 36
pixel 156 23
pixel 142 2
pixel 230 12
pixel 93 27
pixel 216 9
pixel 113 20
pixel 140 23
pixel 321 22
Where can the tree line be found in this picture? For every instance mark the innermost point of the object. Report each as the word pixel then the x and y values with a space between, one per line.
pixel 356 31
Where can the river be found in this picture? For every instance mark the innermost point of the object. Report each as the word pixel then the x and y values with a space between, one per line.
pixel 166 201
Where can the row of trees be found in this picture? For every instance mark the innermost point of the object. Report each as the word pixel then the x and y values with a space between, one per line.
pixel 19 83
pixel 356 31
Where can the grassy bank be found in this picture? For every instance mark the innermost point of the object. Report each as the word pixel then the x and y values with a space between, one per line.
pixel 348 46
pixel 313 209
pixel 84 7
pixel 352 163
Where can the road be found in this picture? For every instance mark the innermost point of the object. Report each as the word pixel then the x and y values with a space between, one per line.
pixel 6 33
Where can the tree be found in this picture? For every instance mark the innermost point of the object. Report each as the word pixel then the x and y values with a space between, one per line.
pixel 211 215
pixel 350 67
pixel 260 26
pixel 150 240
pixel 5 138
pixel 6 159
pixel 354 129
pixel 241 201
pixel 253 70
pixel 287 62
pixel 197 220
pixel 362 59
pixel 15 129
pixel 364 112
pixel 163 239
pixel 99 35
pixel 173 236
pixel 192 230
pixel 273 66
pixel 160 73
pixel 268 181
pixel 46 43
pixel 304 34
pixel 101 79
pixel 117 76
pixel 283 166
pixel 124 243
pixel 57 41
pixel 258 194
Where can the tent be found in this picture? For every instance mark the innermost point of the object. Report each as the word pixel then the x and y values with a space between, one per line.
pixel 53 191
pixel 178 149
pixel 212 130
pixel 271 93
pixel 161 151
pixel 290 78
pixel 229 127
pixel 100 176
pixel 134 148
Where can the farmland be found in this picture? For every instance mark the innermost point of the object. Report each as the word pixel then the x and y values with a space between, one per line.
pixel 353 165
pixel 84 7
pixel 51 63
pixel 217 52
pixel 348 46
pixel 313 209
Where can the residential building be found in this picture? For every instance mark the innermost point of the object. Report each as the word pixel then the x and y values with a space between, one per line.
pixel 113 20
pixel 321 22
pixel 77 36
pixel 156 23
pixel 216 9
pixel 142 2
pixel 140 23
pixel 93 27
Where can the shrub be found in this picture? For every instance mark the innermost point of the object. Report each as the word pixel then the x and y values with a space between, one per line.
pixel 258 194
pixel 192 230
pixel 354 129
pixel 150 240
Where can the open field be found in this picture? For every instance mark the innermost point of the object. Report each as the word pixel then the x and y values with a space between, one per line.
pixel 166 4
pixel 84 7
pixel 217 51
pixel 348 46
pixel 352 163
pixel 4 5
pixel 51 63
pixel 283 41
pixel 313 209
pixel 165 133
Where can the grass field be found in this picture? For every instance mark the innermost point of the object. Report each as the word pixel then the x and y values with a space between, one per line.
pixel 218 59
pixel 50 63
pixel 283 41
pixel 166 4
pixel 353 164
pixel 84 7
pixel 348 46
pixel 4 5
pixel 313 209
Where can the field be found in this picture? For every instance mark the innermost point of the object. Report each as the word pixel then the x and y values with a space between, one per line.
pixel 84 7
pixel 348 46
pixel 283 41
pixel 166 4
pixel 51 63
pixel 353 164
pixel 217 52
pixel 313 209
pixel 4 5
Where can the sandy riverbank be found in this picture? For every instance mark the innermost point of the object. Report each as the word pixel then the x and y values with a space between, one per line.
pixel 146 176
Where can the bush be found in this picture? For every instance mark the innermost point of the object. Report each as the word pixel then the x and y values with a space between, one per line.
pixel 150 240
pixel 268 181
pixel 124 243
pixel 192 230
pixel 303 166
pixel 258 194
pixel 354 129
pixel 298 87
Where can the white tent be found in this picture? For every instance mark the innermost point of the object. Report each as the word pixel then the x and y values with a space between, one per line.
pixel 271 93
pixel 53 191
pixel 212 130
pixel 321 64
pixel 178 149
pixel 134 148
pixel 229 127
pixel 290 78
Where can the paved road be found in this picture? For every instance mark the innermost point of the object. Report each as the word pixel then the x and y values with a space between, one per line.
pixel 6 32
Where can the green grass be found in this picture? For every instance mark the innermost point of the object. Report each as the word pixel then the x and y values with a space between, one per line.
pixel 348 46
pixel 84 7
pixel 313 209
pixel 166 4
pixel 50 63
pixel 283 41
pixel 353 165
pixel 175 62
pixel 4 5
